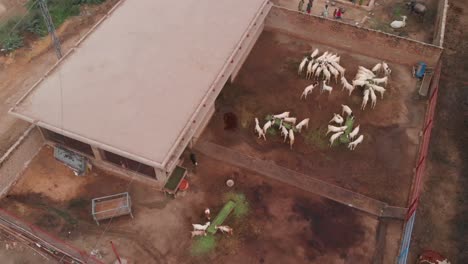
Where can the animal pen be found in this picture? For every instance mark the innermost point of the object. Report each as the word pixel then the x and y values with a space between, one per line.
pixel 111 206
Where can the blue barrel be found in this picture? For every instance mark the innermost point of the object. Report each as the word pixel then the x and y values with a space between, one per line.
pixel 421 70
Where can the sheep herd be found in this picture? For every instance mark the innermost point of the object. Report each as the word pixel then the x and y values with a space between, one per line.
pixel 322 68
pixel 284 123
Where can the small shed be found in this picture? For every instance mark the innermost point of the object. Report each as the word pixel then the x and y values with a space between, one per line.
pixel 111 206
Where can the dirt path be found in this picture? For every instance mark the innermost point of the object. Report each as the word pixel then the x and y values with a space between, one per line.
pixel 333 192
pixel 443 212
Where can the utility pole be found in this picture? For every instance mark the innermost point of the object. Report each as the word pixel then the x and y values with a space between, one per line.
pixel 50 27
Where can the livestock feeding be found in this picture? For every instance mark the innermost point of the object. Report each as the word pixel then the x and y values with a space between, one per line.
pixel 323 67
pixel 284 123
pixel 369 80
pixel 344 134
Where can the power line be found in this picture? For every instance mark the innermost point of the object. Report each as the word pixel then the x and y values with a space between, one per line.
pixel 50 27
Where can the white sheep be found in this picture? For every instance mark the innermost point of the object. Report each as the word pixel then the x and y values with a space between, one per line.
pixel 365 98
pixel 198 233
pixel 335 129
pixel 338 67
pixel 346 85
pixel 379 89
pixel 201 227
pixel 314 53
pixel 291 138
pixel 365 70
pixel 303 123
pixel 354 132
pixel 337 119
pixel 359 82
pixel 302 65
pixel 282 115
pixel 373 98
pixel 386 69
pixel 267 126
pixel 334 72
pixel 309 69
pixel 347 109
pixel 353 144
pixel 308 90
pixel 377 67
pixel 326 73
pixel 318 71
pixel 383 80
pixel 225 229
pixel 284 133
pixel 316 64
pixel 326 88
pixel 259 130
pixel 335 136
pixel 291 120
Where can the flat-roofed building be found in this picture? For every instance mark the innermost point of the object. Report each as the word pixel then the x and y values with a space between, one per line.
pixel 141 85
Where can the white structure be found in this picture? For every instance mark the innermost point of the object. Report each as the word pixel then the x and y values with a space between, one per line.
pixel 142 84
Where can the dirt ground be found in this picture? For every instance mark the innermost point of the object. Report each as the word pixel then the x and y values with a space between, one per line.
pixel 283 224
pixel 442 217
pixel 22 68
pixel 384 12
pixel 381 167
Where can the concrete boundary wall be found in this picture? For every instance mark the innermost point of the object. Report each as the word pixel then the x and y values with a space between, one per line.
pixel 439 26
pixel 17 158
pixel 351 38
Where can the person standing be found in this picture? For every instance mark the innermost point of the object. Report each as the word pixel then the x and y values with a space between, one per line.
pixel 334 13
pixel 309 7
pixel 325 11
pixel 338 13
pixel 300 7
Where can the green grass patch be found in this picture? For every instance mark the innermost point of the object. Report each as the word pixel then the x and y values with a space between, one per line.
pixel 203 245
pixel 242 205
pixel 10 35
pixel 316 138
pixel 63 214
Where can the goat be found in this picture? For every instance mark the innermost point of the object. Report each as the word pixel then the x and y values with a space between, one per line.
pixel 303 123
pixel 353 133
pixel 347 109
pixel 308 90
pixel 373 98
pixel 326 88
pixel 291 120
pixel 259 130
pixel 365 98
pixel 282 115
pixel 198 233
pixel 335 136
pixel 379 89
pixel 318 71
pixel 208 213
pixel 337 119
pixel 313 69
pixel 225 229
pixel 285 133
pixel 201 227
pixel 302 65
pixel 267 126
pixel 291 138
pixel 365 70
pixel 353 144
pixel 335 129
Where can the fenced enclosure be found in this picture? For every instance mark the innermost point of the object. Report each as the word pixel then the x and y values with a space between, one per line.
pixel 111 206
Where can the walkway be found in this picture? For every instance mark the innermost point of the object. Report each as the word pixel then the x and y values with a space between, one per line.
pixel 302 181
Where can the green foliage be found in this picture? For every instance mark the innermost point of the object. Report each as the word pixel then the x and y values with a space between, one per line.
pixel 242 205
pixel 10 35
pixel 202 245
pixel 316 138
